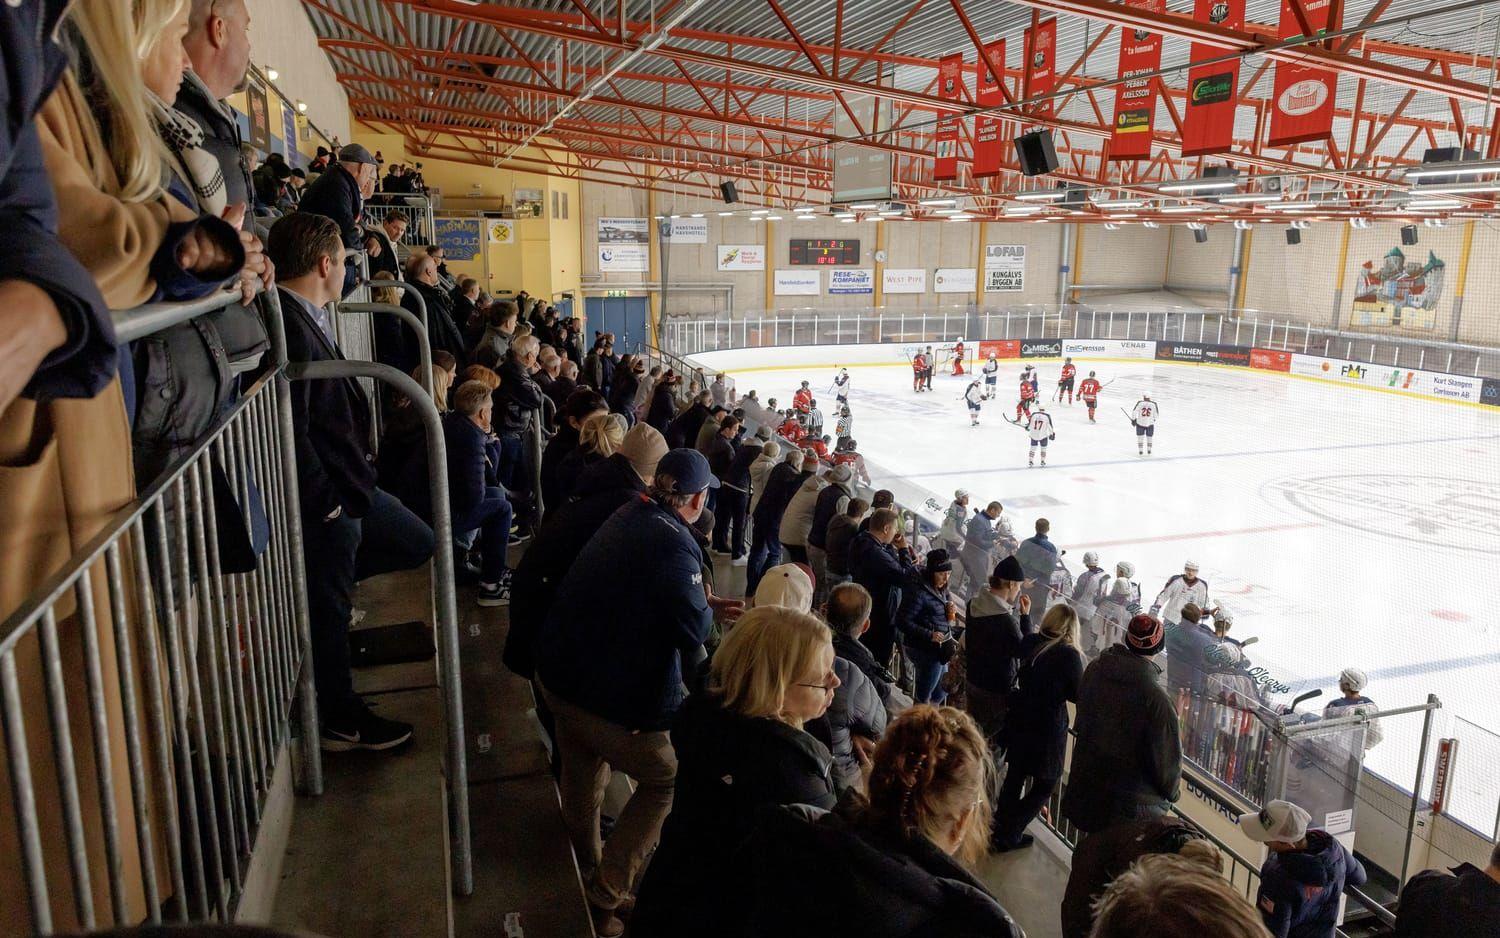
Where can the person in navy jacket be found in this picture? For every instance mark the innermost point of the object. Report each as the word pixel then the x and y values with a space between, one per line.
pixel 351 528
pixel 60 340
pixel 474 492
pixel 880 561
pixel 609 661
pixel 926 622
pixel 1305 874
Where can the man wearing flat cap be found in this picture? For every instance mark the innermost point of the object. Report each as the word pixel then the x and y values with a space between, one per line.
pixel 340 194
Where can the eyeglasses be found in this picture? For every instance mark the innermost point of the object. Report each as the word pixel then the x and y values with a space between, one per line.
pixel 825 688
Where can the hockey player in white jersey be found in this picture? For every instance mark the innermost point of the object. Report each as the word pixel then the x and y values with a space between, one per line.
pixel 991 371
pixel 1088 593
pixel 1039 425
pixel 973 395
pixel 1121 601
pixel 1186 587
pixel 841 387
pixel 1143 418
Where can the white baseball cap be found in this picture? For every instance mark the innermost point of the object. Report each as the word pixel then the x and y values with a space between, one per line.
pixel 1279 821
pixel 786 585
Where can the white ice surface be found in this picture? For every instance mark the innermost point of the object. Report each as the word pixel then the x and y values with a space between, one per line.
pixel 1343 526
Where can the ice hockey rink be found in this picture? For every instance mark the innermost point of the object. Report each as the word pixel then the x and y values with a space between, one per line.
pixel 1343 526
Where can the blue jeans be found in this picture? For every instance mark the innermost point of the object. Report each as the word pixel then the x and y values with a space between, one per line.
pixel 765 553
pixel 491 518
pixel 929 680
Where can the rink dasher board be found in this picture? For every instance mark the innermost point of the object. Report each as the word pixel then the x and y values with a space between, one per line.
pixel 1387 379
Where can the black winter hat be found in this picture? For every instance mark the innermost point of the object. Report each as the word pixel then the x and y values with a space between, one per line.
pixel 937 561
pixel 1009 569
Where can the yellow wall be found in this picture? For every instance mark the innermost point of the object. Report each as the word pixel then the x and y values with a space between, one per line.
pixel 545 257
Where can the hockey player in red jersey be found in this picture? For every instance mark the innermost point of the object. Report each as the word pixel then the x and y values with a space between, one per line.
pixel 1065 381
pixel 918 371
pixel 1089 391
pixel 1028 394
pixel 958 357
pixel 791 428
pixel 819 445
pixel 847 454
pixel 803 399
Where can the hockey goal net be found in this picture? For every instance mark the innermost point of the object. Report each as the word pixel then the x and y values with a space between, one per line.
pixel 947 354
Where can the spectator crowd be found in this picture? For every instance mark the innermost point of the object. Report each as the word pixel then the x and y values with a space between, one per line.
pixel 834 754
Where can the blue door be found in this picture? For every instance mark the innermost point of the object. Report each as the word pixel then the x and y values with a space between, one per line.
pixel 625 316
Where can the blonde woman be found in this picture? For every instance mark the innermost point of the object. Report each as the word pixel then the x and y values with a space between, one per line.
pixel 600 437
pixel 1036 727
pixel 740 747
pixel 125 207
pixel 1167 896
pixel 891 864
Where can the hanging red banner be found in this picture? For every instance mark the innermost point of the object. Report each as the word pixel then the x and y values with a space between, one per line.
pixel 1041 68
pixel 1302 105
pixel 1135 101
pixel 989 150
pixel 1208 119
pixel 950 88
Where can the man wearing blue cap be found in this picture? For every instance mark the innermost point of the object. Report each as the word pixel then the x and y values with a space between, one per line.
pixel 609 660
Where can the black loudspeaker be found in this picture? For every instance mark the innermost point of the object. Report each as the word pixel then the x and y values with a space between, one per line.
pixel 1408 235
pixel 1200 235
pixel 1445 155
pixel 1293 236
pixel 1036 153
pixel 728 191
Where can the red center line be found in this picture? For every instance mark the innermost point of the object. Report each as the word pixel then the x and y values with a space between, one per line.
pixel 1198 534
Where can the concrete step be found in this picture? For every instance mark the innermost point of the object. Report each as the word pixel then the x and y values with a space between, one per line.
pixel 370 855
pixel 524 873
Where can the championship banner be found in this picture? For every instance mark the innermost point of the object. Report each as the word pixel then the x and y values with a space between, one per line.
pixel 1208 124
pixel 1135 100
pixel 989 143
pixel 1302 105
pixel 950 88
pixel 1041 68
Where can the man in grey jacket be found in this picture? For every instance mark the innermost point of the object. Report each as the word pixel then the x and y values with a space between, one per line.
pixel 858 715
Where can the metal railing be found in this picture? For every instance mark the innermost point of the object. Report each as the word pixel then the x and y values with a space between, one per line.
pixel 422 229
pixel 691 334
pixel 150 687
pixel 146 612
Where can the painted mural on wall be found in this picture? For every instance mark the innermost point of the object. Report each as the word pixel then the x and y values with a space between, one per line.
pixel 1399 291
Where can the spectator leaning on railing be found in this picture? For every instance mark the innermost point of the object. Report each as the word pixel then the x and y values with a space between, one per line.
pixel 340 194
pixel 881 562
pixel 351 528
pixel 1306 871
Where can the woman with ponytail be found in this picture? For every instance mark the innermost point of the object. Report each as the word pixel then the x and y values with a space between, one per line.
pixel 1036 727
pixel 895 863
pixel 740 747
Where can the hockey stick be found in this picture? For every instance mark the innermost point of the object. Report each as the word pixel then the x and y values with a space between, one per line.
pixel 1127 416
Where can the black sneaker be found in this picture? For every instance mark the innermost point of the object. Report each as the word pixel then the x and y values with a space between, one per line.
pixel 362 729
pixel 494 594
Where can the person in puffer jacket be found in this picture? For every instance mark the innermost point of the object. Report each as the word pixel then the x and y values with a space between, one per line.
pixel 1304 877
pixel 796 521
pixel 857 717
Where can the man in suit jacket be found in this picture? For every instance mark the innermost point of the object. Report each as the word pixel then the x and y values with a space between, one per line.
pixel 351 529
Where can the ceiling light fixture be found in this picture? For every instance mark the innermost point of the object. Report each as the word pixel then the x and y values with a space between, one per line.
pixel 804 209
pixel 1120 203
pixel 725 214
pixel 1039 195
pixel 1453 168
pixel 1201 185
pixel 864 206
pixel 932 202
pixel 1460 188
pixel 761 211
pixel 1180 209
pixel 1247 197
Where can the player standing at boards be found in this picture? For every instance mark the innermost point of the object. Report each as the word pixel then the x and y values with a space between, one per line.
pixel 991 376
pixel 918 371
pixel 841 387
pixel 974 395
pixel 844 427
pixel 958 356
pixel 1089 390
pixel 930 368
pixel 1143 417
pixel 1040 427
pixel 1065 381
pixel 1028 394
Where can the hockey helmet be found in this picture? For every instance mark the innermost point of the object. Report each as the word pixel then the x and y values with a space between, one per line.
pixel 1091 374
pixel 1068 359
pixel 852 444
pixel 804 384
pixel 992 356
pixel 845 411
pixel 1091 557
